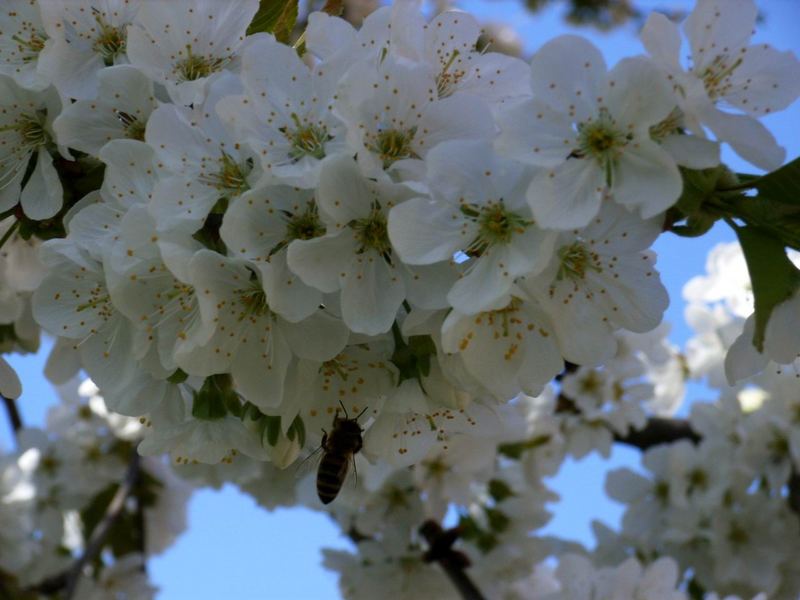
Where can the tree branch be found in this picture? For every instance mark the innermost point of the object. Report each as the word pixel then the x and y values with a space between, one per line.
pixel 454 563
pixel 101 532
pixel 659 431
pixel 13 414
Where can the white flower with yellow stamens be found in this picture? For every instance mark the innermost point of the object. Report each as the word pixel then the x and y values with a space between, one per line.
pixel 508 350
pixel 285 114
pixel 590 129
pixel 85 36
pixel 124 102
pixel 182 43
pixel 247 338
pixel 394 116
pixel 355 255
pixel 726 70
pixel 26 134
pixel 604 279
pixel 477 207
pixel 203 161
pixel 22 38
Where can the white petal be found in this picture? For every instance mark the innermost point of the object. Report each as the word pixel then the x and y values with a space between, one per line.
pixel 717 24
pixel 568 196
pixel 321 262
pixel 743 360
pixel 646 177
pixel 371 294
pixel 662 39
pixel 748 137
pixel 320 337
pixel 767 81
pixel 692 151
pixel 782 334
pixel 424 231
pixel 10 386
pixel 641 95
pixel 42 196
pixel 534 133
pixel 569 71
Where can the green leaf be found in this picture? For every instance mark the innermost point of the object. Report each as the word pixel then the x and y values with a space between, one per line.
pixel 333 7
pixel 782 185
pixel 276 17
pixel 773 276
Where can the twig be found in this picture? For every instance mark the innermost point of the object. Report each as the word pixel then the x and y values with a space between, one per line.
pixel 101 532
pixel 659 431
pixel 454 563
pixel 13 414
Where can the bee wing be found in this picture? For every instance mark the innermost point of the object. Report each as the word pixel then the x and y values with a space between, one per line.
pixel 308 464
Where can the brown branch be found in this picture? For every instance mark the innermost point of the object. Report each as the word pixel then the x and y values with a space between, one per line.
pixel 453 562
pixel 659 431
pixel 13 414
pixel 98 538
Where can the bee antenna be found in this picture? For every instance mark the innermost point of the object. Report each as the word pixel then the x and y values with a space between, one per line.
pixel 346 416
pixel 358 416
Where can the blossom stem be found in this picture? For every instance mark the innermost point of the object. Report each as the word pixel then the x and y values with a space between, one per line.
pixel 13 414
pixel 658 431
pixel 100 533
pixel 453 562
pixel 7 235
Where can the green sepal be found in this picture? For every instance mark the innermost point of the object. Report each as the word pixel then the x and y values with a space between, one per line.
pixel 498 520
pixel 210 402
pixel 272 430
pixel 516 449
pixel 499 490
pixel 297 429
pixel 178 376
pixel 773 276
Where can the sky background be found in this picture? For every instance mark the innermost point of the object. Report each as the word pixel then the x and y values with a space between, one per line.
pixel 235 550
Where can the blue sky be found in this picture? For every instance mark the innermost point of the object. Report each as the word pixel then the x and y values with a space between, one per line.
pixel 234 549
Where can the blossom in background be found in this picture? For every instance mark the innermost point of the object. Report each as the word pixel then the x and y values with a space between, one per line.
pixel 726 70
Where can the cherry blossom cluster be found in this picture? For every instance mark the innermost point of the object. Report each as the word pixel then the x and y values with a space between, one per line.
pixel 51 492
pixel 396 220
pixel 241 240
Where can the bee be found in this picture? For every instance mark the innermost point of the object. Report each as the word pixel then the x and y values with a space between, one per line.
pixel 339 448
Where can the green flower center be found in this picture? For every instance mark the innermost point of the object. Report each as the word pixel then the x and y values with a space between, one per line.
pixel 305 225
pixel 392 145
pixel 230 177
pixel 29 49
pixel 372 233
pixel 576 260
pixel 31 130
pixel 307 139
pixel 195 66
pixel 253 301
pixel 110 41
pixel 448 78
pixel 134 129
pixel 602 140
pixel 496 226
pixel 716 76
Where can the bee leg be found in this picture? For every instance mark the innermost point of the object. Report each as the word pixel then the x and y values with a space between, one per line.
pixel 355 470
